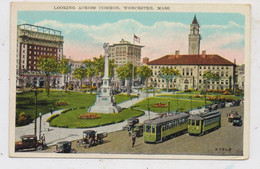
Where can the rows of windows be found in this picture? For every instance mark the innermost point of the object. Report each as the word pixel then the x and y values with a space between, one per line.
pixel 194 122
pixel 213 67
pixel 174 123
pixel 43 48
pixel 212 120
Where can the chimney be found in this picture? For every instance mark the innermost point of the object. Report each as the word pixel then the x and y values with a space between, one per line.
pixel 145 60
pixel 203 54
pixel 177 53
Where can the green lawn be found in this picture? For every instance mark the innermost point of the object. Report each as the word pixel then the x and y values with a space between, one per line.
pixel 184 104
pixel 25 102
pixel 70 118
pixel 123 97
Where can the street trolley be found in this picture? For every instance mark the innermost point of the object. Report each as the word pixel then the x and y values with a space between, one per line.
pixel 202 123
pixel 162 128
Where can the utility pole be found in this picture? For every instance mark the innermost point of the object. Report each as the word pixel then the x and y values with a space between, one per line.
pixel 35 120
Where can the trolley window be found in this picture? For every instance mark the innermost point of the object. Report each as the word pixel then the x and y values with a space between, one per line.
pixel 197 122
pixel 153 129
pixel 148 128
pixel 193 122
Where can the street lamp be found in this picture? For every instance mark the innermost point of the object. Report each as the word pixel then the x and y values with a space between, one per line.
pixel 40 130
pixel 169 104
pixel 35 120
pixel 148 107
pixel 190 102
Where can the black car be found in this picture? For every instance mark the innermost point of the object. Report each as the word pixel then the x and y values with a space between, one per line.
pixel 237 121
pixel 64 147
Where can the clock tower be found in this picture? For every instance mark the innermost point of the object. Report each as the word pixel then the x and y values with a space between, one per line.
pixel 194 37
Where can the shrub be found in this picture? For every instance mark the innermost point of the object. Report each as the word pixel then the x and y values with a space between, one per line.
pixel 49 119
pixel 70 87
pixel 23 119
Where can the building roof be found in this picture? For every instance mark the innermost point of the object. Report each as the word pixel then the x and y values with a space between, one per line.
pixel 194 20
pixel 211 59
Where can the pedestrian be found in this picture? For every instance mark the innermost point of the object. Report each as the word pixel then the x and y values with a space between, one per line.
pixel 133 139
pixel 43 140
pixel 51 111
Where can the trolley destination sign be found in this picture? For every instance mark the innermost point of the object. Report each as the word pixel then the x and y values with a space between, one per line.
pixel 121 81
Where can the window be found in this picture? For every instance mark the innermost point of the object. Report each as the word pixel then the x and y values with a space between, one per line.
pixel 197 122
pixel 153 129
pixel 148 128
pixel 193 122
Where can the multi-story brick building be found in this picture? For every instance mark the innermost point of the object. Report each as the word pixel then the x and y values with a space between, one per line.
pixel 32 42
pixel 192 66
pixel 124 52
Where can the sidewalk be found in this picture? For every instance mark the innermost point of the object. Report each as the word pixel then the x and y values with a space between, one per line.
pixel 55 134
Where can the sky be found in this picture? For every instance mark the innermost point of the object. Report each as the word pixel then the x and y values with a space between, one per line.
pixel 161 33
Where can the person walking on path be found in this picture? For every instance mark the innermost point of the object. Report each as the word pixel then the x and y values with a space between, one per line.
pixel 43 140
pixel 133 139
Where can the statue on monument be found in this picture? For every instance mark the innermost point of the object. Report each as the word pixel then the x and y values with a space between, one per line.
pixel 105 102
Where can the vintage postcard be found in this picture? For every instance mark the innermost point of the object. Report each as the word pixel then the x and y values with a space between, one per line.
pixel 129 80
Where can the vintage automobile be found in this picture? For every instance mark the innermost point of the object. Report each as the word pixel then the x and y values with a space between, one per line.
pixel 231 116
pixel 64 147
pixel 130 124
pixel 29 142
pixel 139 129
pixel 237 121
pixel 90 138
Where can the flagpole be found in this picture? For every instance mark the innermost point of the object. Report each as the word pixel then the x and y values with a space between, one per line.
pixel 133 64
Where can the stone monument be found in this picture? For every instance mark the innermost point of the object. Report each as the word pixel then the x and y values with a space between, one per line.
pixel 105 102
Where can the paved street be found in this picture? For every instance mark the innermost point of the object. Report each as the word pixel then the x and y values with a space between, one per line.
pixel 227 140
pixel 55 134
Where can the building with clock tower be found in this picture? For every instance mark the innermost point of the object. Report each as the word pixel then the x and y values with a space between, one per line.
pixel 194 37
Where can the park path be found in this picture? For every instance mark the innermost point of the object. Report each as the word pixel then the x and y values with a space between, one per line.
pixel 56 134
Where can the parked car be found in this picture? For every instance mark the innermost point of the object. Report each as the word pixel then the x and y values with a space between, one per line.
pixel 28 142
pixel 237 121
pixel 64 147
pixel 130 124
pixel 231 116
pixel 90 138
pixel 139 129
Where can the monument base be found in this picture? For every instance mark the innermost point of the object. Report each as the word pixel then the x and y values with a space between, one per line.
pixel 104 105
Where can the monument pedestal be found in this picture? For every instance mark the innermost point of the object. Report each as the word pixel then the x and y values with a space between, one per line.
pixel 105 103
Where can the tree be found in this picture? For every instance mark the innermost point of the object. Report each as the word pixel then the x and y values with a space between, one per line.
pixel 144 72
pixel 208 77
pixel 64 68
pixel 125 72
pixel 48 65
pixel 90 72
pixel 168 74
pixel 79 73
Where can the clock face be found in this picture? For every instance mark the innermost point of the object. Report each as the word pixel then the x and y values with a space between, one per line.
pixel 193 46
